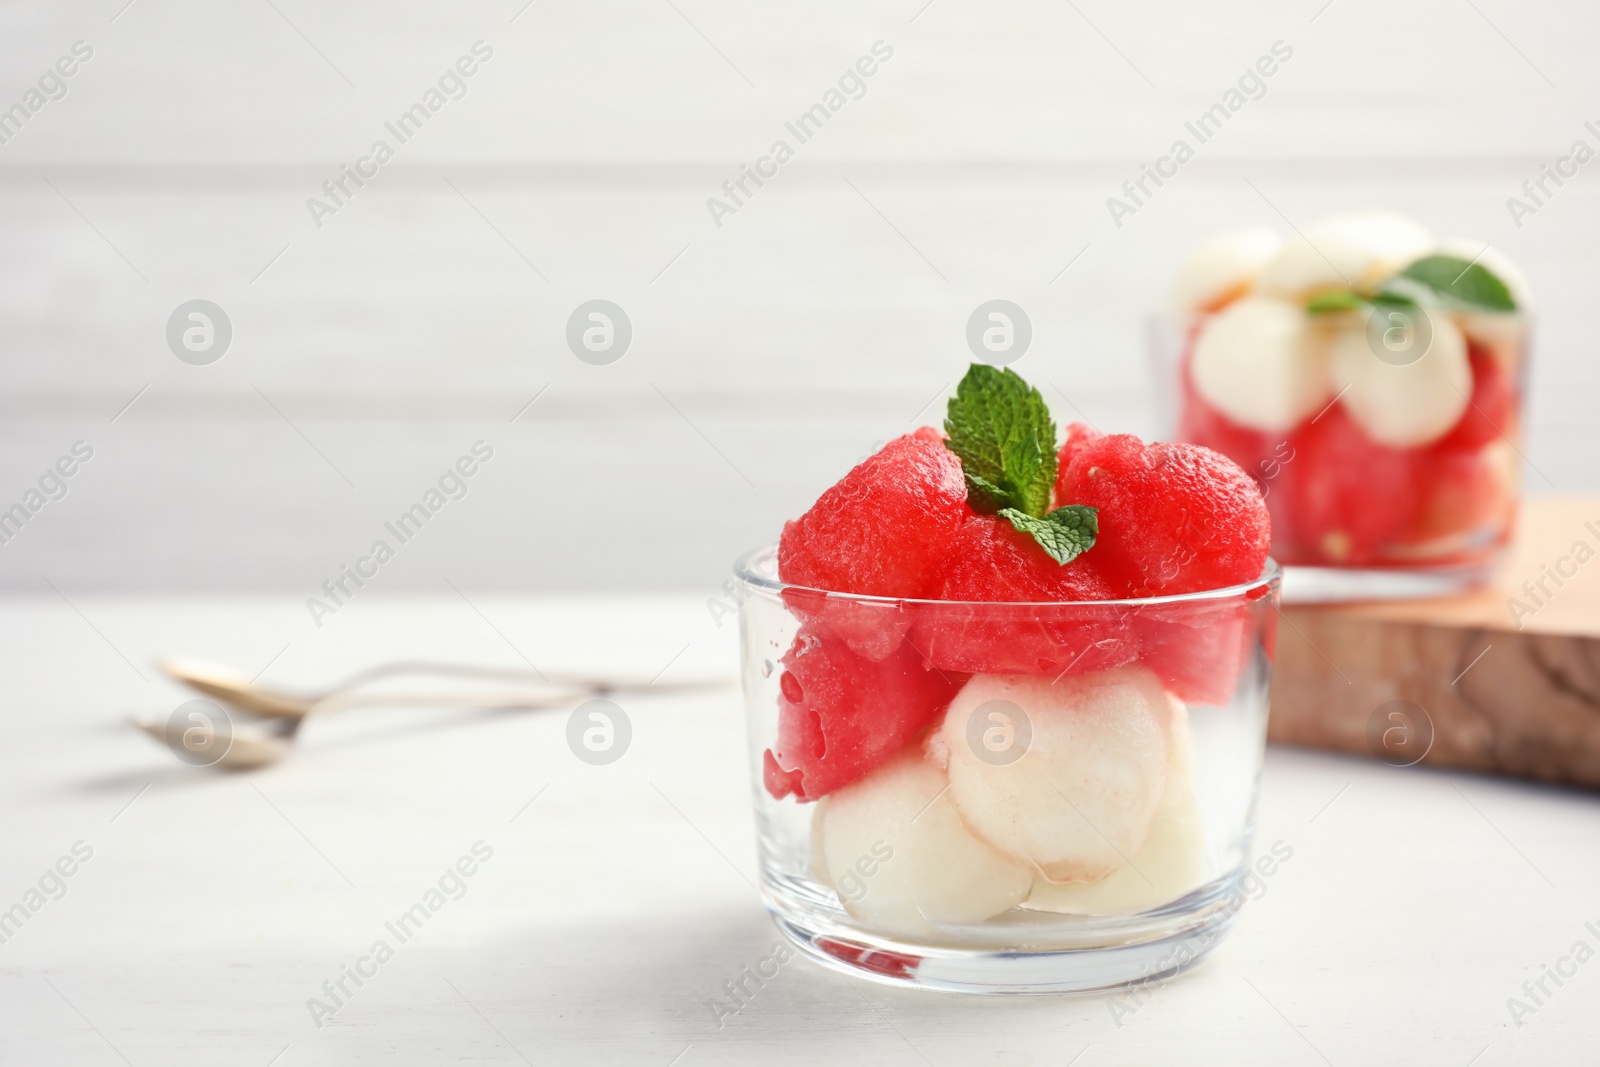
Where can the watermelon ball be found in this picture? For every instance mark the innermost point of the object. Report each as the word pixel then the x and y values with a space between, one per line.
pixel 1173 518
pixel 1493 406
pixel 885 528
pixel 1347 496
pixel 994 563
pixel 1079 436
pixel 1197 649
pixel 871 628
pixel 841 715
pixel 1465 499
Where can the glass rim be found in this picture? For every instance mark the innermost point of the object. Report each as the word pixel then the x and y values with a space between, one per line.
pixel 1271 577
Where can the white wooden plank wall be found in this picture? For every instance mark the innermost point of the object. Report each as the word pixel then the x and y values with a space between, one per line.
pixel 826 314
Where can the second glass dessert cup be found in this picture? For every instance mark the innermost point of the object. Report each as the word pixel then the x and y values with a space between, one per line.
pixel 1005 798
pixel 1354 516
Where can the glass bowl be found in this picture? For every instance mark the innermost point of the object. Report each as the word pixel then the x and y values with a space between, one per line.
pixel 1004 798
pixel 1354 518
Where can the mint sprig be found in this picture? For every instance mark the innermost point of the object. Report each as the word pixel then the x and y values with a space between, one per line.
pixel 1330 301
pixel 1065 533
pixel 983 496
pixel 1455 281
pixel 1447 280
pixel 1001 430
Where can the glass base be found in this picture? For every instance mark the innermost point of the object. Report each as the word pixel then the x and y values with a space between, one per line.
pixel 1107 953
pixel 1335 585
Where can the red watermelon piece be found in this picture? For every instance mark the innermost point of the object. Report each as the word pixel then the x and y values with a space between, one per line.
pixel 1079 436
pixel 1347 496
pixel 884 530
pixel 1174 518
pixel 1198 650
pixel 993 563
pixel 841 715
pixel 1465 498
pixel 1493 409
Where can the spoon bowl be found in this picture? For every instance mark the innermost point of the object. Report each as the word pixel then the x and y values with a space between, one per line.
pixel 245 751
pixel 233 688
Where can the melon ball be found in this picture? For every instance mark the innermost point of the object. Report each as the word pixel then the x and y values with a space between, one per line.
pixel 1222 268
pixel 1344 251
pixel 901 860
pixel 819 859
pixel 1262 362
pixel 1063 776
pixel 1172 861
pixel 1403 405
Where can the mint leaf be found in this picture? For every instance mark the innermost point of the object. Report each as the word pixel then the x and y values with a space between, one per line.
pixel 985 497
pixel 1002 432
pixel 1456 281
pixel 1031 468
pixel 1448 279
pixel 1065 533
pixel 1334 300
pixel 1391 299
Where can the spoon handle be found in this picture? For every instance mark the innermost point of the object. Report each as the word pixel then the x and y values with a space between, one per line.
pixel 504 698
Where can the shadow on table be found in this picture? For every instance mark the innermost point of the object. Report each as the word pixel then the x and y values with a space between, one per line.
pixel 643 990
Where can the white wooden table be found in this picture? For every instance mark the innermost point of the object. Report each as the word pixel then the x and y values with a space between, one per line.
pixel 617 903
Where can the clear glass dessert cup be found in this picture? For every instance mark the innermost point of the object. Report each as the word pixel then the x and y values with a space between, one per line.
pixel 1355 517
pixel 1005 798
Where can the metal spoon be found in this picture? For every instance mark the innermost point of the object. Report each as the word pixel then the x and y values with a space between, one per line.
pixel 271 719
pixel 233 688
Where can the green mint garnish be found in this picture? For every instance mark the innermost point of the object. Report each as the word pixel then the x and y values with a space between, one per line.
pixel 1065 533
pixel 983 496
pixel 1333 300
pixel 1456 281
pixel 1388 298
pixel 1448 280
pixel 1002 432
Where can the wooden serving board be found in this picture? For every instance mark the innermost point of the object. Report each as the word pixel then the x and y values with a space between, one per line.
pixel 1458 682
